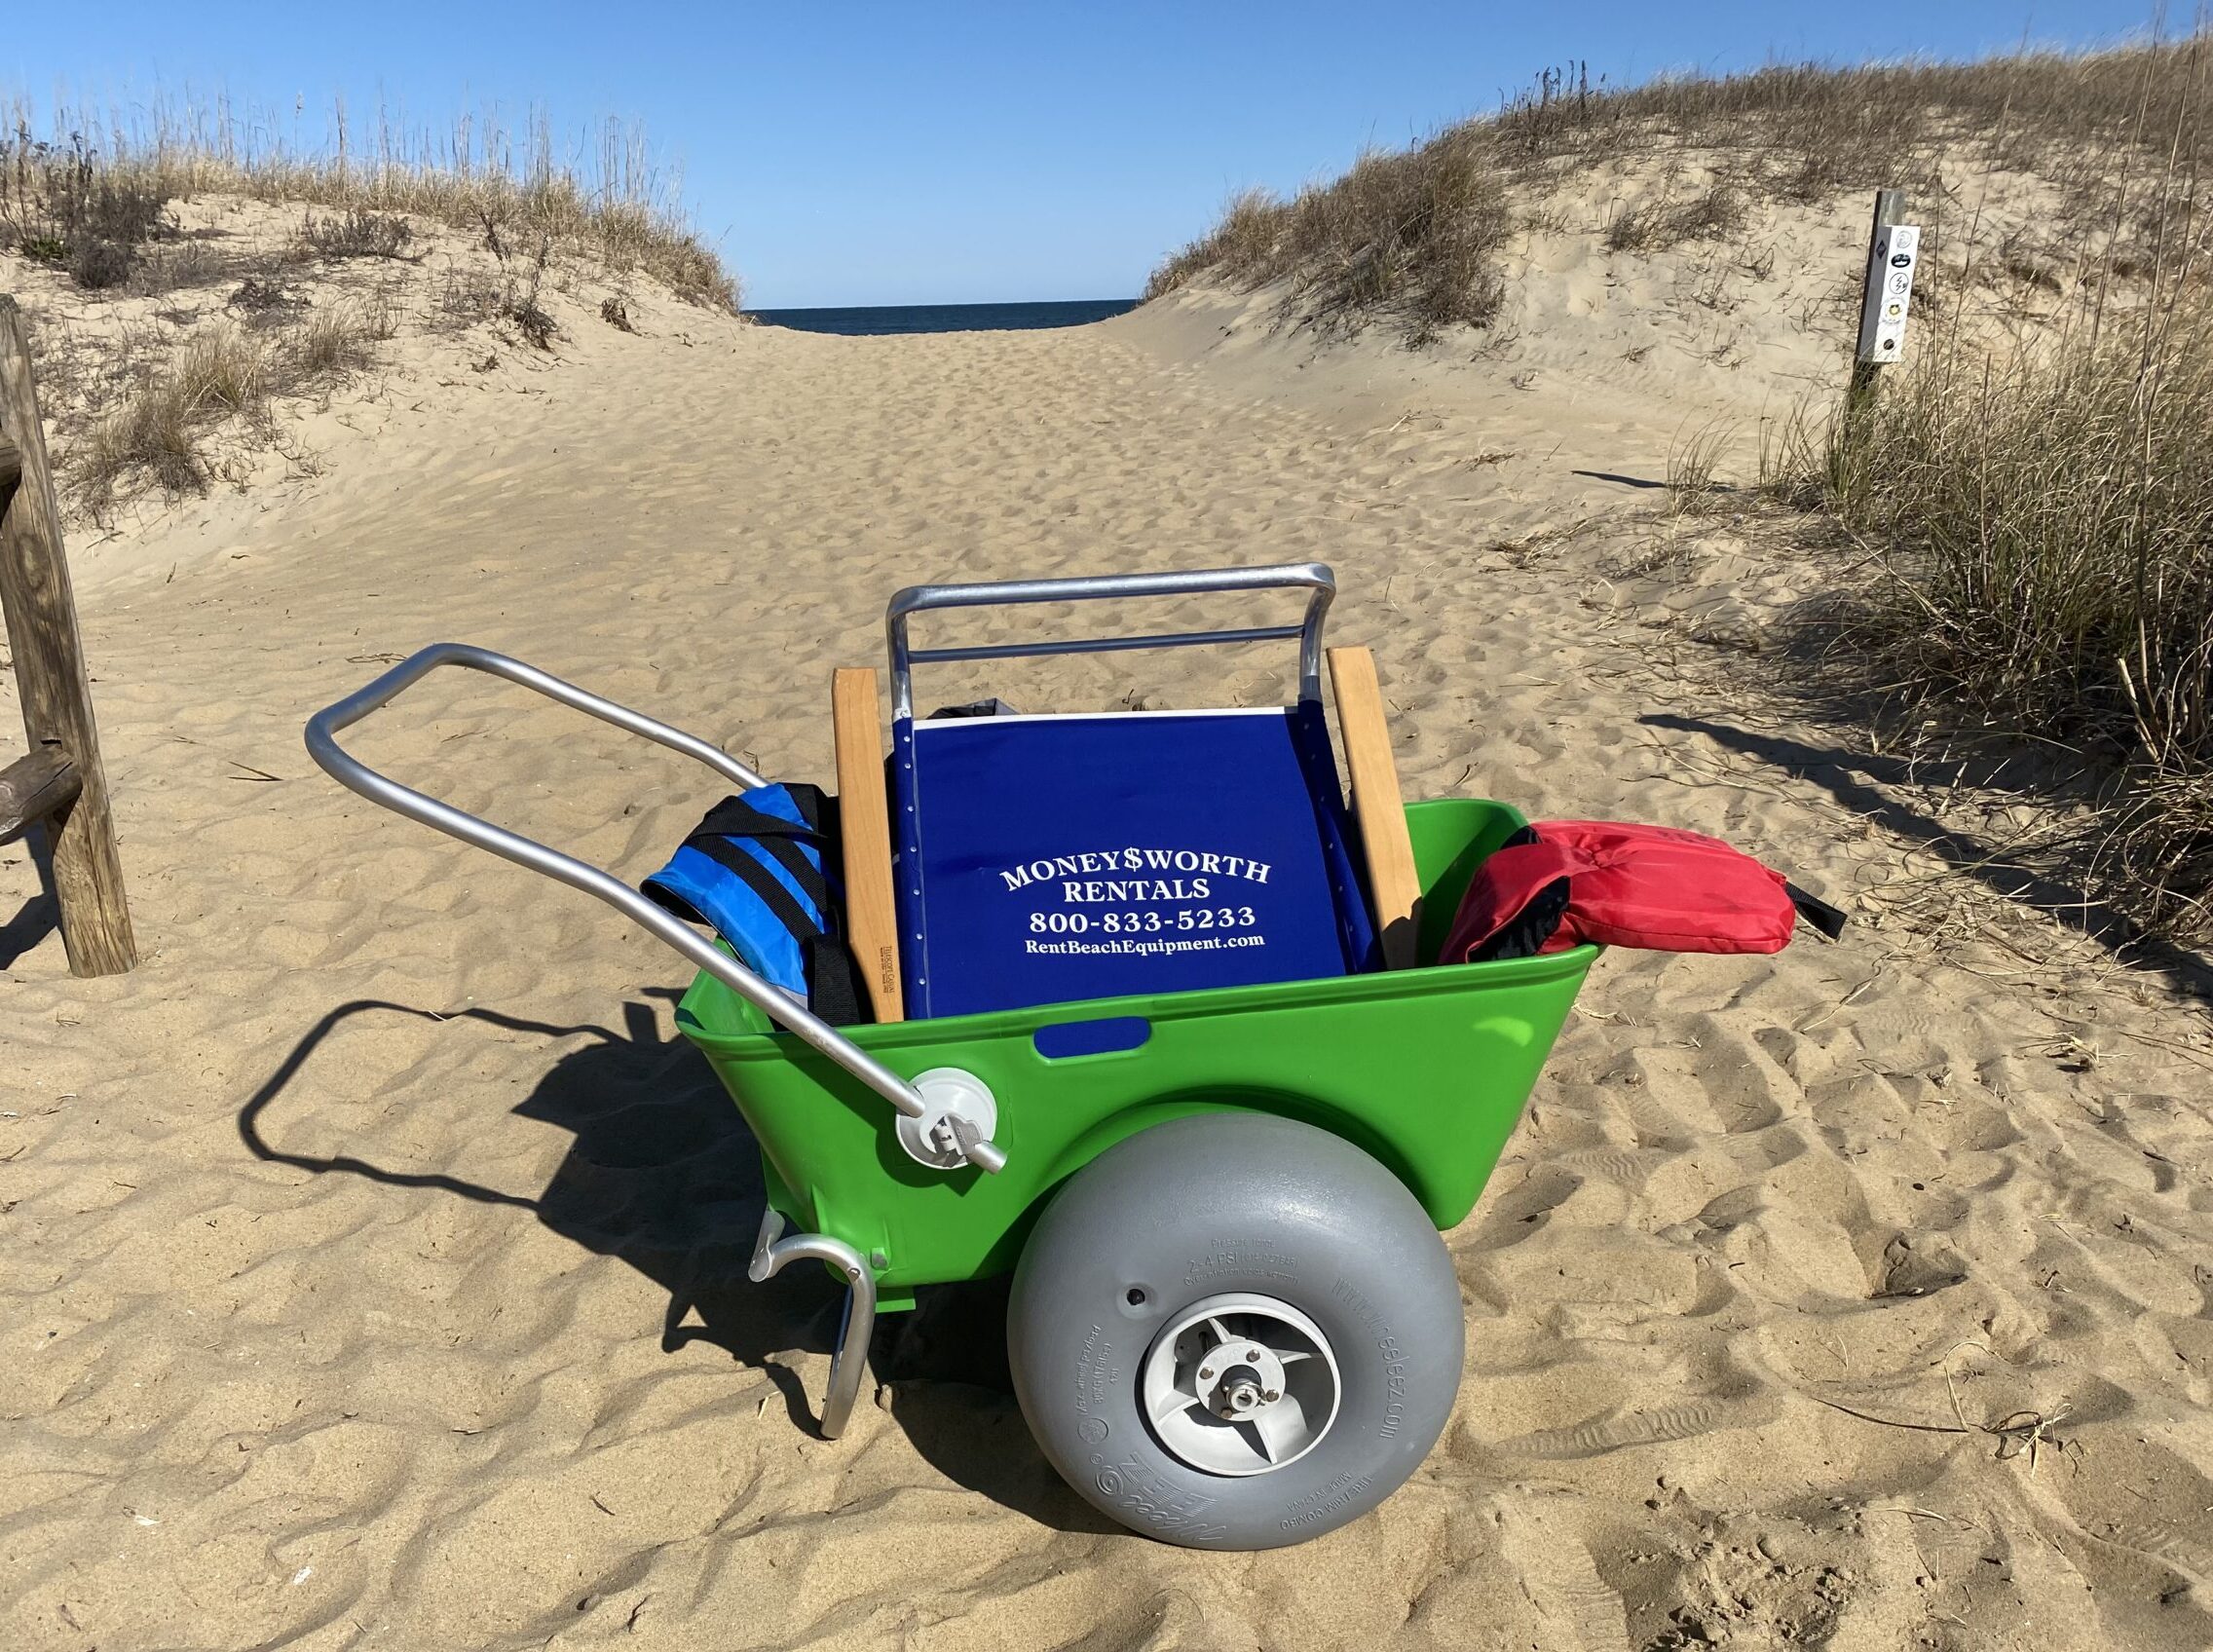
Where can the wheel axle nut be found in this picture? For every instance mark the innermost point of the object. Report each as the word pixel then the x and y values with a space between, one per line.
pixel 1241 1390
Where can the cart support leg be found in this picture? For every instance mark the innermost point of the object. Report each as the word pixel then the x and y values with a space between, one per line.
pixel 848 1366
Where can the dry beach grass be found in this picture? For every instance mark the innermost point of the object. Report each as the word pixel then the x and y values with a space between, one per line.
pixel 226 273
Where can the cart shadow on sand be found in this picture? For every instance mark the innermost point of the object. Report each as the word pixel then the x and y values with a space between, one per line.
pixel 664 1175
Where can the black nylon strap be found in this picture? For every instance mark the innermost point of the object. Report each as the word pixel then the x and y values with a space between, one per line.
pixel 778 838
pixel 1816 910
pixel 787 853
pixel 735 817
pixel 833 981
pixel 780 901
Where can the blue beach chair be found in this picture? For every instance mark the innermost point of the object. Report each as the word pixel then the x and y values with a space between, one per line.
pixel 1051 860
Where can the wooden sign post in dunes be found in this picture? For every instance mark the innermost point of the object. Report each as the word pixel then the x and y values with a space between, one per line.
pixel 1894 247
pixel 60 784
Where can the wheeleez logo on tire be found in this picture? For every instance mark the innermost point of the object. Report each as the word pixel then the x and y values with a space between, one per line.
pixel 1394 1357
pixel 1130 1484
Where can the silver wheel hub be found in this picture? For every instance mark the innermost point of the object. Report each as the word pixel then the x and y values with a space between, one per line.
pixel 1240 1384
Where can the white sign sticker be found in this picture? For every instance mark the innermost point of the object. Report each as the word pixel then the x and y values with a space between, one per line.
pixel 1889 293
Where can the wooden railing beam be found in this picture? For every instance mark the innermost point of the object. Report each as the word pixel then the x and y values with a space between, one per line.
pixel 35 788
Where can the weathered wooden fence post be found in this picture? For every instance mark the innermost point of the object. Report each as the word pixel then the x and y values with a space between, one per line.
pixel 61 781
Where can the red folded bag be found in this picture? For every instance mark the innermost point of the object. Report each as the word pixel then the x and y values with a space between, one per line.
pixel 1560 883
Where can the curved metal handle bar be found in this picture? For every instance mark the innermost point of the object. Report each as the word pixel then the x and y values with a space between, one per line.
pixel 766 997
pixel 1314 578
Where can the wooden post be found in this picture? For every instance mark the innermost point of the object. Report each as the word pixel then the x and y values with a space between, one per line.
pixel 864 817
pixel 1866 373
pixel 49 673
pixel 1385 845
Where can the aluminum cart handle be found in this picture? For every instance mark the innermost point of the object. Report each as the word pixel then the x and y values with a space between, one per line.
pixel 962 1144
pixel 1313 578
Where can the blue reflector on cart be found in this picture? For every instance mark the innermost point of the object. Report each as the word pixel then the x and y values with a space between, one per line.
pixel 1054 860
pixel 1109 1036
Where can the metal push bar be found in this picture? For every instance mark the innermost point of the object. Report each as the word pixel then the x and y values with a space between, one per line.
pixel 1314 578
pixel 771 999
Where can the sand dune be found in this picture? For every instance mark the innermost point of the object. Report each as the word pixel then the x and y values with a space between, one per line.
pixel 373 1255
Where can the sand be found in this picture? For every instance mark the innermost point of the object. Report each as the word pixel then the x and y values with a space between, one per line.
pixel 371 1259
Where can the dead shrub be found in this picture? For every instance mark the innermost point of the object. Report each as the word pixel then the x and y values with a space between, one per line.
pixel 1636 228
pixel 151 436
pixel 518 298
pixel 260 298
pixel 2042 531
pixel 356 233
pixel 1653 225
pixel 1239 248
pixel 66 203
pixel 96 265
pixel 465 298
pixel 607 196
pixel 530 320
pixel 1414 235
pixel 1717 211
pixel 380 314
pixel 171 269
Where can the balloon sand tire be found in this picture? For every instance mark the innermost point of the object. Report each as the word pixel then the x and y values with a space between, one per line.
pixel 1160 1260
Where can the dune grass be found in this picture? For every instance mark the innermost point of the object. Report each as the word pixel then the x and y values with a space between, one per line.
pixel 1413 236
pixel 2038 515
pixel 2040 531
pixel 167 397
pixel 156 431
pixel 1418 233
pixel 86 190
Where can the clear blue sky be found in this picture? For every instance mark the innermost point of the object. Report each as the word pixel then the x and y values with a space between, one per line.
pixel 919 153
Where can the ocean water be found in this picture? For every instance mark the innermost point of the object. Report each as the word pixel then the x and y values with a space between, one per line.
pixel 947 318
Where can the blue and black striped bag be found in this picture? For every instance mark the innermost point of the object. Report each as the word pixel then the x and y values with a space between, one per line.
pixel 761 871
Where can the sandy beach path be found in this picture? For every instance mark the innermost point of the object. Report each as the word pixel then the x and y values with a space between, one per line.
pixel 371 1259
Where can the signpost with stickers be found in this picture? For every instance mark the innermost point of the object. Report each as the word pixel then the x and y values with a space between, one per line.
pixel 1894 249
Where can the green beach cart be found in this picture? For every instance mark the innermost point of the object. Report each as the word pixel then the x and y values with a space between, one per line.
pixel 1233 1321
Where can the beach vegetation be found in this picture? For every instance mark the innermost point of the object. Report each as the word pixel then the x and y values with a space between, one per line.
pixel 356 233
pixel 2035 567
pixel 1417 238
pixel 72 180
pixel 189 415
